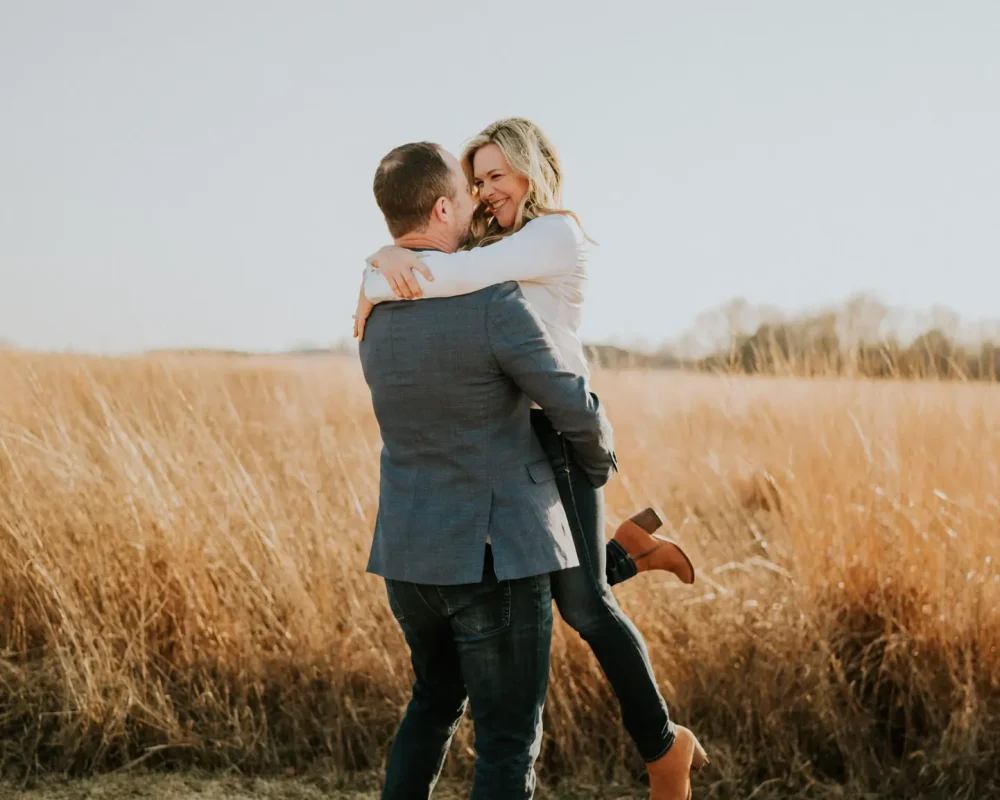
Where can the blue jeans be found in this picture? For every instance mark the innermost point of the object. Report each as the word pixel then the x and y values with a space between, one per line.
pixel 619 564
pixel 487 643
pixel 585 601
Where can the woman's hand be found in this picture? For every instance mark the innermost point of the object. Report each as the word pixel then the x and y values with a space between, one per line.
pixel 397 264
pixel 364 311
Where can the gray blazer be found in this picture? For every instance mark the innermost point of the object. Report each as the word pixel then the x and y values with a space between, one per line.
pixel 450 380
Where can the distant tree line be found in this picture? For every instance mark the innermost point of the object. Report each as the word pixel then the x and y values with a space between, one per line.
pixel 809 349
pixel 861 339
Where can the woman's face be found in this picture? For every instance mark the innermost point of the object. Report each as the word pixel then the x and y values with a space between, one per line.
pixel 499 187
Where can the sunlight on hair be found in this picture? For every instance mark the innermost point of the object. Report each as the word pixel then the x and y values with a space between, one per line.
pixel 530 153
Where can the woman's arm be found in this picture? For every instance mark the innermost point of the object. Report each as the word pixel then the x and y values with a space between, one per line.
pixel 361 313
pixel 544 250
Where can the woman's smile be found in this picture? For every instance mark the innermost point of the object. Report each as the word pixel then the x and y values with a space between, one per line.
pixel 500 188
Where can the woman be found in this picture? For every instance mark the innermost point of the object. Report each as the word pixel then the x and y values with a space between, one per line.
pixel 516 175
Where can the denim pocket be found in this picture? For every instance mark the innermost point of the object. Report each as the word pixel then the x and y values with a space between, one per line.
pixel 487 614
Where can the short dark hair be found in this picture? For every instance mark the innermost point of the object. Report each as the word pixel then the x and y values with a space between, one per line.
pixel 408 182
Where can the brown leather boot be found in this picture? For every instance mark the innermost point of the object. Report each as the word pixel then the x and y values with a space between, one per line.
pixel 670 775
pixel 653 552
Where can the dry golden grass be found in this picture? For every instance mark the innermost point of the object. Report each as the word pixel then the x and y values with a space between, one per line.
pixel 192 785
pixel 182 545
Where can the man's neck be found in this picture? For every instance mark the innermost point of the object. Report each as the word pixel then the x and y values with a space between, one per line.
pixel 425 240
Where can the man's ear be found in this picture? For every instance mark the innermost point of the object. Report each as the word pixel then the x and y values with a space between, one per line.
pixel 442 209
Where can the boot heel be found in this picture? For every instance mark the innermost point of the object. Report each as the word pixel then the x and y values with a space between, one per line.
pixel 648 520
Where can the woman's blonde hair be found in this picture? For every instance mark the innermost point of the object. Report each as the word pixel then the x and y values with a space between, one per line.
pixel 529 153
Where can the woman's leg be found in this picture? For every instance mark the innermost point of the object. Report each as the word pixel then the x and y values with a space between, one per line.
pixel 634 549
pixel 620 565
pixel 586 603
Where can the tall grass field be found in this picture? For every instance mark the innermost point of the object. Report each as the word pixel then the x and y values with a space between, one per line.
pixel 183 541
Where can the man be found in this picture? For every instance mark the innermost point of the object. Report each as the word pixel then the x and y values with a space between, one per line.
pixel 469 521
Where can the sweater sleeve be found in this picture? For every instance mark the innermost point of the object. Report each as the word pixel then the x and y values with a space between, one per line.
pixel 545 250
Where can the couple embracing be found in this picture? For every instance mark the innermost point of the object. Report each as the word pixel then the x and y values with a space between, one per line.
pixel 495 452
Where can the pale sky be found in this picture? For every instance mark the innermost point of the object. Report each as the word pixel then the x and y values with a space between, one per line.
pixel 198 174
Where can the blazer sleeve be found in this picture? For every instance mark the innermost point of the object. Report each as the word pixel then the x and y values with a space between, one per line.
pixel 525 352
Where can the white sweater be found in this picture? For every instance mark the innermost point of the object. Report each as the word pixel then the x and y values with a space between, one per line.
pixel 547 257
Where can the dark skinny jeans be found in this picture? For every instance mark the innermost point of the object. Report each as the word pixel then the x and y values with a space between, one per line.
pixel 585 601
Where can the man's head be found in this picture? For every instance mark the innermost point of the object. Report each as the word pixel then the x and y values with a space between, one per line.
pixel 422 191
